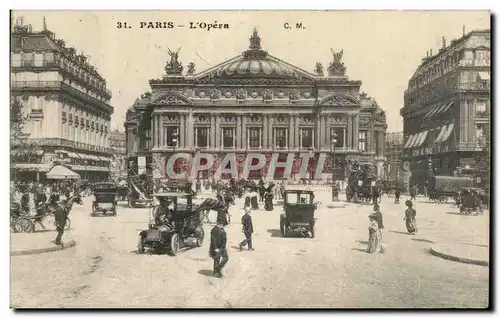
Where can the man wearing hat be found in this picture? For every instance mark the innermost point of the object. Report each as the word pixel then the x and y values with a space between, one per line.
pixel 246 221
pixel 217 249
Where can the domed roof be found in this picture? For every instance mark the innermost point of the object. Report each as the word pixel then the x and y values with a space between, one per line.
pixel 257 66
pixel 256 62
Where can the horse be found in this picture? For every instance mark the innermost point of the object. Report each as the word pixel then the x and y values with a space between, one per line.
pixel 220 204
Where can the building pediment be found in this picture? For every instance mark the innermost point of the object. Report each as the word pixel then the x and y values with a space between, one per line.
pixel 170 99
pixel 340 100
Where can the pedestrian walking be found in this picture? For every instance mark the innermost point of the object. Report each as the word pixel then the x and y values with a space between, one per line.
pixel 397 195
pixel 253 200
pixel 373 235
pixel 246 221
pixel 217 249
pixel 380 222
pixel 410 218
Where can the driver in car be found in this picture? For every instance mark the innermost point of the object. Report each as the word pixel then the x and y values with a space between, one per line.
pixel 163 211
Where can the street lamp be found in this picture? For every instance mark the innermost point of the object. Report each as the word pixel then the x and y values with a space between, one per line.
pixel 333 143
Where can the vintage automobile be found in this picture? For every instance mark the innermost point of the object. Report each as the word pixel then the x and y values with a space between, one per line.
pixel 174 223
pixel 299 207
pixel 105 199
pixel 470 200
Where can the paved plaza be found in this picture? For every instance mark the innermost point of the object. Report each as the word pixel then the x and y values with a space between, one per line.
pixel 331 270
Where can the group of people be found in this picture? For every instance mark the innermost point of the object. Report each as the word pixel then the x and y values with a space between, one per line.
pixel 376 226
pixel 38 199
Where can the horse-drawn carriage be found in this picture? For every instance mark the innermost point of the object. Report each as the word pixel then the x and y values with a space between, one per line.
pixel 470 200
pixel 440 188
pixel 105 199
pixel 360 184
pixel 299 208
pixel 174 223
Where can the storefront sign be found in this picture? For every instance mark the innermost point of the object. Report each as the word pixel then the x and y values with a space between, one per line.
pixel 474 63
pixel 141 163
pixel 430 150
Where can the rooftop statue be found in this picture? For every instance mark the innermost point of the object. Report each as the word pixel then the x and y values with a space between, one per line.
pixel 337 66
pixel 174 66
pixel 319 69
pixel 255 41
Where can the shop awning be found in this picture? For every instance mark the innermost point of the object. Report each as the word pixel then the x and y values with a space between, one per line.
pixel 430 112
pixel 416 140
pixel 408 141
pixel 60 151
pixel 440 136
pixel 31 167
pixel 105 159
pixel 484 76
pixel 73 155
pixel 422 138
pixel 61 173
pixel 447 133
pixel 445 108
pixel 95 158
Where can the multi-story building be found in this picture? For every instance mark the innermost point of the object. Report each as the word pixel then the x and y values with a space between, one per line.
pixel 256 102
pixel 117 142
pixel 394 153
pixel 447 108
pixel 66 101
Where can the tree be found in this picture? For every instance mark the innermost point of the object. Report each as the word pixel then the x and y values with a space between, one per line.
pixel 23 149
pixel 483 160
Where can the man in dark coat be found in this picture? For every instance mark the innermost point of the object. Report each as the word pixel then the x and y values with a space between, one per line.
pixel 218 249
pixel 246 221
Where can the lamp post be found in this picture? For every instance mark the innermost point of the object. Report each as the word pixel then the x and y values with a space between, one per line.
pixel 333 143
pixel 430 173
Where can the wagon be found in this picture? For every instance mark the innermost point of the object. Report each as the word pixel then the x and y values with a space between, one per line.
pixel 174 223
pixel 298 214
pixel 470 200
pixel 105 199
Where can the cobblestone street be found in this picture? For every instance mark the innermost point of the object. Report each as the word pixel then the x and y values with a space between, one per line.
pixel 331 270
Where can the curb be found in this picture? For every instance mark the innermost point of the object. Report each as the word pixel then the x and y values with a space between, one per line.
pixel 458 258
pixel 66 245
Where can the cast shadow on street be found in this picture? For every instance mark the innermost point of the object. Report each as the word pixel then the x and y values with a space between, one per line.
pixel 423 240
pixel 205 272
pixel 362 242
pixel 399 232
pixel 359 250
pixel 454 213
pixel 45 230
pixel 277 233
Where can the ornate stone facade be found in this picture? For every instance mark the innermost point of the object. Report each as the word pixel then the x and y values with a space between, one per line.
pixel 255 102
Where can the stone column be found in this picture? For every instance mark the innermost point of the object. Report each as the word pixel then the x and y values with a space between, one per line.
pixel 356 131
pixel 471 123
pixel 265 128
pixel 212 131
pixel 190 130
pixel 270 139
pixel 350 129
pixel 317 132
pixel 154 129
pixel 238 131
pixel 369 140
pixel 182 130
pixel 290 142
pixel 244 143
pixel 217 132
pixel 297 132
pixel 326 131
pixel 162 132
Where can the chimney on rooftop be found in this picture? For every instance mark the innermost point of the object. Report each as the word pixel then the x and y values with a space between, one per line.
pixel 463 30
pixel 444 42
pixel 430 52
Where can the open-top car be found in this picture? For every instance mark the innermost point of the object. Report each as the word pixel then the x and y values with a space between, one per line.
pixel 174 223
pixel 105 198
pixel 299 208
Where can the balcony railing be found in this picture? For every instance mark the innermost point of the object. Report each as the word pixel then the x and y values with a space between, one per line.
pixel 59 142
pixel 58 85
pixel 474 86
pixel 45 63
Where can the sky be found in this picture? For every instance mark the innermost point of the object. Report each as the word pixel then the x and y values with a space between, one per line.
pixel 381 48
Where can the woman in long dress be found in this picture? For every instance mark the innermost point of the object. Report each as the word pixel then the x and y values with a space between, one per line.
pixel 374 236
pixel 254 200
pixel 247 199
pixel 268 200
pixel 410 218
